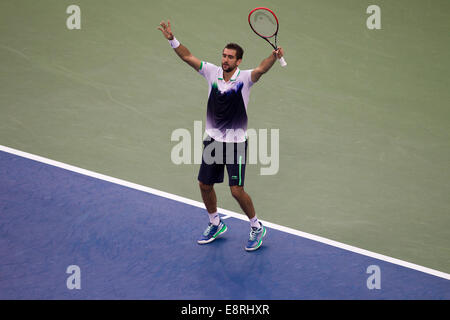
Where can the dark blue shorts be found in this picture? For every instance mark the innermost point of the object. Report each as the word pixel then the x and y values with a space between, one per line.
pixel 218 155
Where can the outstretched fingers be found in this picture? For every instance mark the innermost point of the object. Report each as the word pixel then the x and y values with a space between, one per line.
pixel 166 29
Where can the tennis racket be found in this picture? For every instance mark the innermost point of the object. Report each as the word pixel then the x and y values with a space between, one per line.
pixel 264 23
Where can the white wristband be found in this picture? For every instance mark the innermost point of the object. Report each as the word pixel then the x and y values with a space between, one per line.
pixel 174 43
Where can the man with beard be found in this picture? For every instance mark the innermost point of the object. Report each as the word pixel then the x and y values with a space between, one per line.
pixel 226 127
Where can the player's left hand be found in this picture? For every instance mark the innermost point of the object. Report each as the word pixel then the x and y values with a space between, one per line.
pixel 278 53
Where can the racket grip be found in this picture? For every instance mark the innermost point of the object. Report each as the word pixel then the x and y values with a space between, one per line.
pixel 282 62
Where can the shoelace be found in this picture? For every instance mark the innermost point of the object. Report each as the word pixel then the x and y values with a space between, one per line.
pixel 253 234
pixel 208 229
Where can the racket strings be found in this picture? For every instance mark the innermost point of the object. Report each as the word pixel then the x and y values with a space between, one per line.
pixel 264 23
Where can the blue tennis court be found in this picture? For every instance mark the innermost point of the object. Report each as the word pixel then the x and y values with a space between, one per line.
pixel 132 244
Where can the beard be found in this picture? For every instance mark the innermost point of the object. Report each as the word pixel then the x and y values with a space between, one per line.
pixel 227 68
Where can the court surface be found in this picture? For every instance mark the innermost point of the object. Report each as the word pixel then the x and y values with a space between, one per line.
pixel 364 151
pixel 132 244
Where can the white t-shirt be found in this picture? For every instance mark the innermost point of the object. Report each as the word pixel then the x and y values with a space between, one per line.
pixel 226 115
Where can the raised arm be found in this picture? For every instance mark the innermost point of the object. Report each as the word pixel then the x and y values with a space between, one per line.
pixel 180 50
pixel 266 64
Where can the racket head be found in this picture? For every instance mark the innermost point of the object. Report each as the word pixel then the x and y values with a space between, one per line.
pixel 263 22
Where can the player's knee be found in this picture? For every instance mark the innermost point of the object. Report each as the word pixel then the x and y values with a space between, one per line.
pixel 205 187
pixel 237 191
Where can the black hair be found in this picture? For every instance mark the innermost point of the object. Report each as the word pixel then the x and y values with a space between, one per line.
pixel 238 48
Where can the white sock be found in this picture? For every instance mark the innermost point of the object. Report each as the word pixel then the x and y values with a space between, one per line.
pixel 255 223
pixel 214 218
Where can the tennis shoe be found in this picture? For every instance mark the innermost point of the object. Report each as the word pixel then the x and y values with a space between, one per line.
pixel 256 237
pixel 212 232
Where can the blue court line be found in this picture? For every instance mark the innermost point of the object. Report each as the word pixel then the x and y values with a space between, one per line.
pixel 131 244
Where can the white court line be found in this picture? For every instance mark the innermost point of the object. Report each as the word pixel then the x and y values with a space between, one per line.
pixel 227 213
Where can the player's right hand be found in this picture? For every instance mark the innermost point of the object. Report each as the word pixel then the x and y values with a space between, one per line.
pixel 166 30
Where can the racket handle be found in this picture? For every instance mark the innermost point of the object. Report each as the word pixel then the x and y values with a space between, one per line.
pixel 282 62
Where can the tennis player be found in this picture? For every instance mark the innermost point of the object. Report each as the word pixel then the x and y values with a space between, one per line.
pixel 226 127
